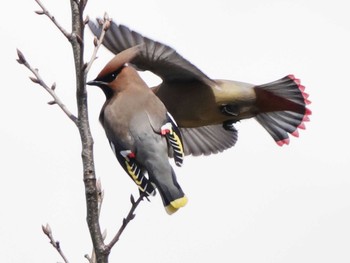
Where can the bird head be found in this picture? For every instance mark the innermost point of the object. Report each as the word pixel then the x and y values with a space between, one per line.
pixel 112 69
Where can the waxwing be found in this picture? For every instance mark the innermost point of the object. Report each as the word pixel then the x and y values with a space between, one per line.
pixel 206 109
pixel 140 131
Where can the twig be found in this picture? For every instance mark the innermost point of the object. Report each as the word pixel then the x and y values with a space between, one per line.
pixel 44 11
pixel 126 221
pixel 56 244
pixel 98 41
pixel 51 90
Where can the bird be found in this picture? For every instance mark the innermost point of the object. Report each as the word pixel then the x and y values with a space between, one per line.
pixel 140 130
pixel 207 109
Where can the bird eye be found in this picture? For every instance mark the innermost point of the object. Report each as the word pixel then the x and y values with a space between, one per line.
pixel 112 76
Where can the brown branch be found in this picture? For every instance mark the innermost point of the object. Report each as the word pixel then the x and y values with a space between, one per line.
pixel 98 42
pixel 51 90
pixel 44 11
pixel 56 244
pixel 93 192
pixel 92 258
pixel 127 220
pixel 89 176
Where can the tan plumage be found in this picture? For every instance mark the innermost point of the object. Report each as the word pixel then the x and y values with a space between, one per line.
pixel 206 109
pixel 139 130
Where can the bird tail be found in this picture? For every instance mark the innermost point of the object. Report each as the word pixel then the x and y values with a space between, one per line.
pixel 282 108
pixel 172 195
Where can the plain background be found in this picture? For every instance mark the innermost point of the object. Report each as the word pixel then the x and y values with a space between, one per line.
pixel 256 202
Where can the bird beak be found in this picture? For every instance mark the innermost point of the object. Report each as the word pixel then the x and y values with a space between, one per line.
pixel 92 83
pixel 96 83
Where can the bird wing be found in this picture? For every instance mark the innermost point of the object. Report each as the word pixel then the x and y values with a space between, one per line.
pixel 154 56
pixel 174 138
pixel 133 169
pixel 207 140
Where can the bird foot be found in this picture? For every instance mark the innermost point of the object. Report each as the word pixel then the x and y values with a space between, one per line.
pixel 228 125
pixel 230 110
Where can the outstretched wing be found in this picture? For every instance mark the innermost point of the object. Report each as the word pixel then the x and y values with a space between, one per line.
pixel 154 56
pixel 207 140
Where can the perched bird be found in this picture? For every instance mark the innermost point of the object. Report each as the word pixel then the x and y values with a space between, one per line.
pixel 206 109
pixel 140 130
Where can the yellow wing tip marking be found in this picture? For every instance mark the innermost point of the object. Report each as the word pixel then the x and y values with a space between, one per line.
pixel 132 174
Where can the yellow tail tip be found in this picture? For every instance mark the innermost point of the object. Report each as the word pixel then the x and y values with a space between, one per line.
pixel 176 204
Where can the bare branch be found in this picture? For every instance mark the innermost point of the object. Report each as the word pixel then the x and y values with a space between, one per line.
pixel 100 193
pixel 56 244
pixel 38 80
pixel 89 175
pixel 44 11
pixel 93 191
pixel 98 42
pixel 126 221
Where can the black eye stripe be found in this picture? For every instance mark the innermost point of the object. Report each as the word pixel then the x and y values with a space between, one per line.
pixel 110 77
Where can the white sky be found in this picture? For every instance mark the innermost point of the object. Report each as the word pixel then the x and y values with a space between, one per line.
pixel 256 202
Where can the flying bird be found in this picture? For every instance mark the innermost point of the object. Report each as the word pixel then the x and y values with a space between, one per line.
pixel 206 109
pixel 140 131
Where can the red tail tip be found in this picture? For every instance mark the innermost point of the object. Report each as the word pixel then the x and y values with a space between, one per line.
pixel 283 142
pixel 291 76
pixel 308 112
pixel 302 126
pixel 296 132
pixel 306 118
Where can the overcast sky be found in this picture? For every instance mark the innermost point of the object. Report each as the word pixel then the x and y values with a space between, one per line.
pixel 256 202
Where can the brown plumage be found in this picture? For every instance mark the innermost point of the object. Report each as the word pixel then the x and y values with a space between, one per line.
pixel 140 130
pixel 206 109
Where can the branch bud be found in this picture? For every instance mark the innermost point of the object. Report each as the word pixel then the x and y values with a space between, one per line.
pixel 35 80
pixel 107 25
pixel 106 16
pixel 52 102
pixel 99 21
pixel 132 216
pixel 53 87
pixel 132 199
pixel 46 229
pixel 95 41
pixel 40 12
pixel 21 59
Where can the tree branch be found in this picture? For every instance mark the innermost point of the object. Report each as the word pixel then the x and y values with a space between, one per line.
pixel 92 258
pixel 44 11
pixel 127 220
pixel 56 244
pixel 93 192
pixel 98 42
pixel 51 90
